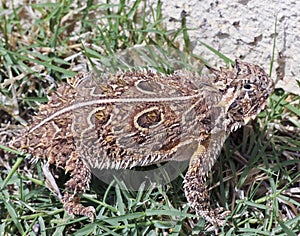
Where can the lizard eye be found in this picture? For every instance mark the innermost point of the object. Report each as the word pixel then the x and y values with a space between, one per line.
pixel 247 86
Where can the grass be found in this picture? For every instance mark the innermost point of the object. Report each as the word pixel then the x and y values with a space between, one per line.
pixel 257 174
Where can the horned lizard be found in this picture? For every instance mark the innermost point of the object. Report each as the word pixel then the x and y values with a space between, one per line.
pixel 138 118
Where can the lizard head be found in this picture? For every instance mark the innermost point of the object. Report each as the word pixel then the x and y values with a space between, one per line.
pixel 245 88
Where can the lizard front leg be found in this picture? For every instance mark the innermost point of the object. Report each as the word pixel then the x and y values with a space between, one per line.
pixel 195 181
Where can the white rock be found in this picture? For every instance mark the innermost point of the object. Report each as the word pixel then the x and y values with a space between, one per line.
pixel 245 29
